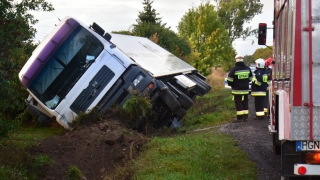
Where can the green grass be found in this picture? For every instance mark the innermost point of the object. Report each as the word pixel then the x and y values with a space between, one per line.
pixel 213 109
pixel 205 154
pixel 16 162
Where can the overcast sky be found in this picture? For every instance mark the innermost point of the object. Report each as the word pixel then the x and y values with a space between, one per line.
pixel 116 15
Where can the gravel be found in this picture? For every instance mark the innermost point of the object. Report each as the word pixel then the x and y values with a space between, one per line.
pixel 254 139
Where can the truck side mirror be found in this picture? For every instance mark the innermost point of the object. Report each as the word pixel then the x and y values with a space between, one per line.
pixel 262 33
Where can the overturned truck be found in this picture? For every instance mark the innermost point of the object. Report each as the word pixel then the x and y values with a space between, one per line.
pixel 77 68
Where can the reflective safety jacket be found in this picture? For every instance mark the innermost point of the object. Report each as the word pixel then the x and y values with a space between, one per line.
pixel 238 78
pixel 260 82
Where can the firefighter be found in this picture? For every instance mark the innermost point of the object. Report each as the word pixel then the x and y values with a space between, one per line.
pixel 268 65
pixel 238 78
pixel 259 88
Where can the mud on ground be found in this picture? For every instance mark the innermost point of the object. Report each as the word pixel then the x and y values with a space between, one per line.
pixel 96 148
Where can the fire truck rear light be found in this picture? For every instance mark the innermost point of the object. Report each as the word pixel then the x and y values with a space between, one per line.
pixel 306 169
pixel 150 85
pixel 302 170
pixel 313 158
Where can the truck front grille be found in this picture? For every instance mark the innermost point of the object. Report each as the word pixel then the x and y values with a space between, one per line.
pixel 96 85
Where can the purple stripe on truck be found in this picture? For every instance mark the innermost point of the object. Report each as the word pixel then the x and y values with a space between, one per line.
pixel 48 50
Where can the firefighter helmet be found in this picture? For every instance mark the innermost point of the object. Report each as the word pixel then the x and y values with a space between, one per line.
pixel 269 62
pixel 238 58
pixel 260 63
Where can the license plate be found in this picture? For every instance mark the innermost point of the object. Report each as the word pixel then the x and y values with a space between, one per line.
pixel 308 146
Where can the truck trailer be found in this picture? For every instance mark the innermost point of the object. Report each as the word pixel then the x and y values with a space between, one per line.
pixel 77 68
pixel 294 97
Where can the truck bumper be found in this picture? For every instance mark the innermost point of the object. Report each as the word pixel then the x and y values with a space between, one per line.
pixel 309 169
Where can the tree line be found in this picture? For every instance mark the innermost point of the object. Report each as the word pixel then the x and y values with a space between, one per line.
pixel 204 40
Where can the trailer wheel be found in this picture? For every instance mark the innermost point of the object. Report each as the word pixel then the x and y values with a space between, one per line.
pixel 200 81
pixel 170 100
pixel 180 113
pixel 201 88
pixel 182 98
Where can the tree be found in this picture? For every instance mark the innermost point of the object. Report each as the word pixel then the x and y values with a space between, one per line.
pixel 149 15
pixel 149 25
pixel 208 39
pixel 248 60
pixel 16 46
pixel 263 53
pixel 235 13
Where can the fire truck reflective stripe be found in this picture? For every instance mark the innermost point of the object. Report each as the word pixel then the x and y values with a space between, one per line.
pixel 297 61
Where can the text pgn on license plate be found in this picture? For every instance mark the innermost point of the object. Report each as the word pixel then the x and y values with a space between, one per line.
pixel 308 146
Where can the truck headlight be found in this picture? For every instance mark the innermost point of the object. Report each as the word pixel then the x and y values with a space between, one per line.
pixel 137 80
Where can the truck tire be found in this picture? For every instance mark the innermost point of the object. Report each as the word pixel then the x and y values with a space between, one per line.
pixel 200 81
pixel 180 113
pixel 170 100
pixel 182 98
pixel 199 90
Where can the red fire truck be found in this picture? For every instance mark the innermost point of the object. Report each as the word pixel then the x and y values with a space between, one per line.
pixel 294 92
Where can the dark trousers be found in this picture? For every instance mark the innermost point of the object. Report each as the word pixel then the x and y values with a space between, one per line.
pixel 242 107
pixel 266 105
pixel 259 105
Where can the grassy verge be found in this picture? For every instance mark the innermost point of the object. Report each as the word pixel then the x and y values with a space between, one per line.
pixel 190 154
pixel 15 161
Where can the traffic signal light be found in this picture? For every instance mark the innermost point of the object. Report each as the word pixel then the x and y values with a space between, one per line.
pixel 262 33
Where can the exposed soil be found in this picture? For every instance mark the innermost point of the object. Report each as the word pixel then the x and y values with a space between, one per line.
pixel 97 147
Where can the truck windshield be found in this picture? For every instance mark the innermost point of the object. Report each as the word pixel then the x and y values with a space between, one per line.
pixel 65 67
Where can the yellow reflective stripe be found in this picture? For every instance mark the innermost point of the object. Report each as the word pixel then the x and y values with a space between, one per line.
pixel 240 92
pixel 240 113
pixel 246 71
pixel 245 111
pixel 265 109
pixel 232 98
pixel 242 98
pixel 265 78
pixel 230 79
pixel 257 83
pixel 258 93
pixel 260 113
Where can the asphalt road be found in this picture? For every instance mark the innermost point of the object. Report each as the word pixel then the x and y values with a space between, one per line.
pixel 254 138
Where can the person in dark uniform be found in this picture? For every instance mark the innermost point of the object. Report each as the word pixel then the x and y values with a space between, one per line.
pixel 259 88
pixel 238 78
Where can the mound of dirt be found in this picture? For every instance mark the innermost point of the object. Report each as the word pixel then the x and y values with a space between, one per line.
pixel 96 148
